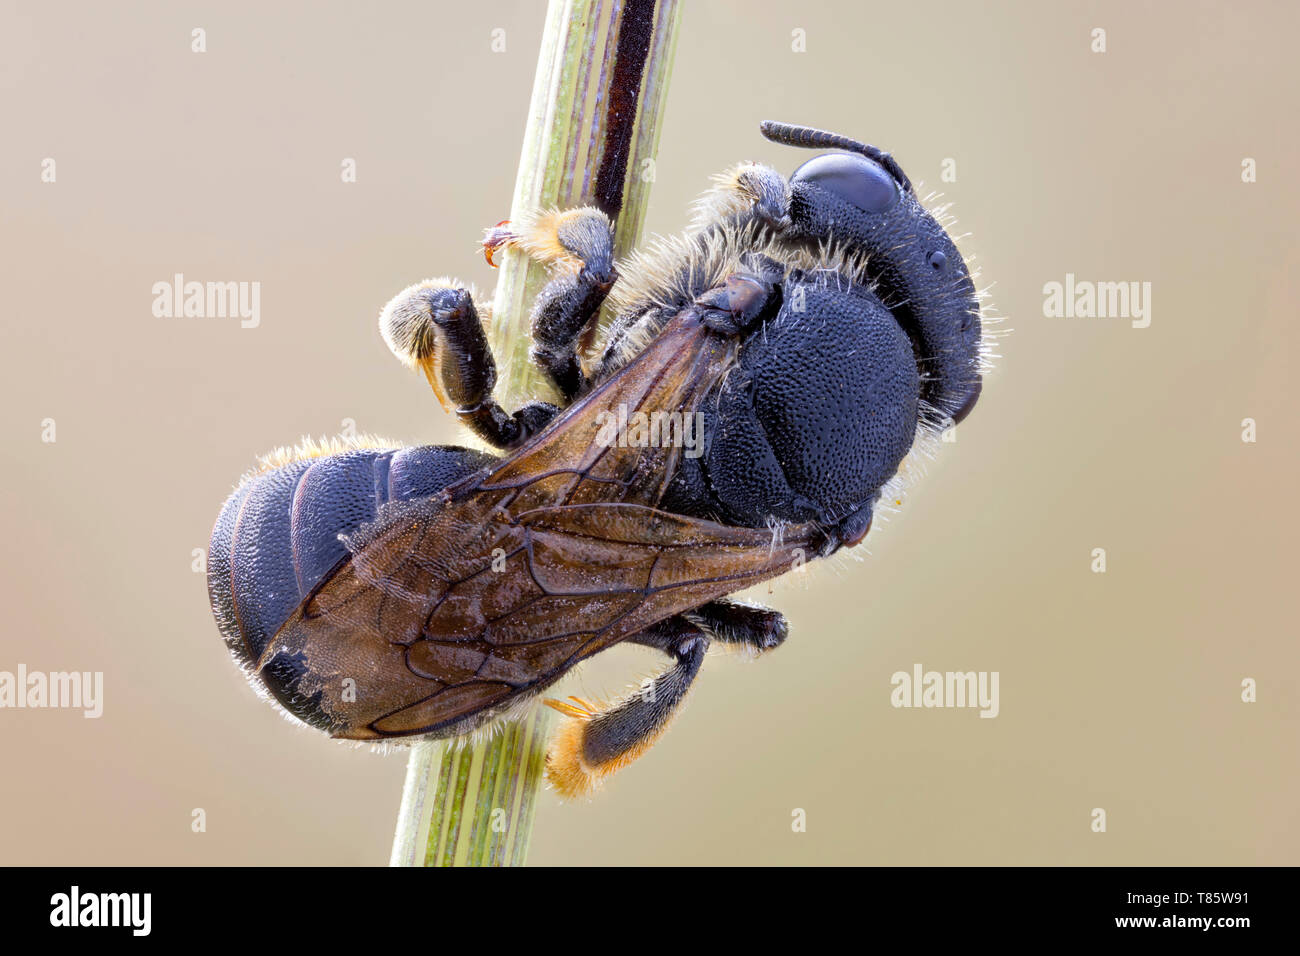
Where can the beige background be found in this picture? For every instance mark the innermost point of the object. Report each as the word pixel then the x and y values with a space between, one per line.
pixel 1119 691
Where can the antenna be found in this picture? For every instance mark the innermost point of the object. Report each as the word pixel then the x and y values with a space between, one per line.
pixel 806 137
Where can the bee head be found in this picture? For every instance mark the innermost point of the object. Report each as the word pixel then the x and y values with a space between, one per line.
pixel 860 200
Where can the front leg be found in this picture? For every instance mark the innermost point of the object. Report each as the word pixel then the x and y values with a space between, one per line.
pixel 435 327
pixel 578 247
pixel 747 193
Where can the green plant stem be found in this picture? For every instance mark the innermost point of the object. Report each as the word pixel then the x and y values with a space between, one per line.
pixel 592 135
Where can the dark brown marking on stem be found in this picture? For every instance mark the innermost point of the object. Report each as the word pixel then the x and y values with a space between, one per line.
pixel 635 37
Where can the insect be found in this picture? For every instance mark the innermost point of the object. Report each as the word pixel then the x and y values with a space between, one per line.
pixel 813 327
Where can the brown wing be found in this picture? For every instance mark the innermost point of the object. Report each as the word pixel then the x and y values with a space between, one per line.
pixel 450 609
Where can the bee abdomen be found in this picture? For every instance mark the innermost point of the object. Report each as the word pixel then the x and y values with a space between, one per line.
pixel 277 537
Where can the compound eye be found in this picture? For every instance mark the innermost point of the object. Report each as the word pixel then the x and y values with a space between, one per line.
pixel 855 179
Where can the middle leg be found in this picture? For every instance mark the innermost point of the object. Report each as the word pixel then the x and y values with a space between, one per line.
pixel 750 627
pixel 435 327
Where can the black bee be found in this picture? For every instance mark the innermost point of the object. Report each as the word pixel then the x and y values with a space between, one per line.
pixel 811 328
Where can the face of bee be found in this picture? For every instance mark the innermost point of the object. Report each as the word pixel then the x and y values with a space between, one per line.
pixel 913 266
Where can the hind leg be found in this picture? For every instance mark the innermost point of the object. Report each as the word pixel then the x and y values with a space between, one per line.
pixel 597 742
